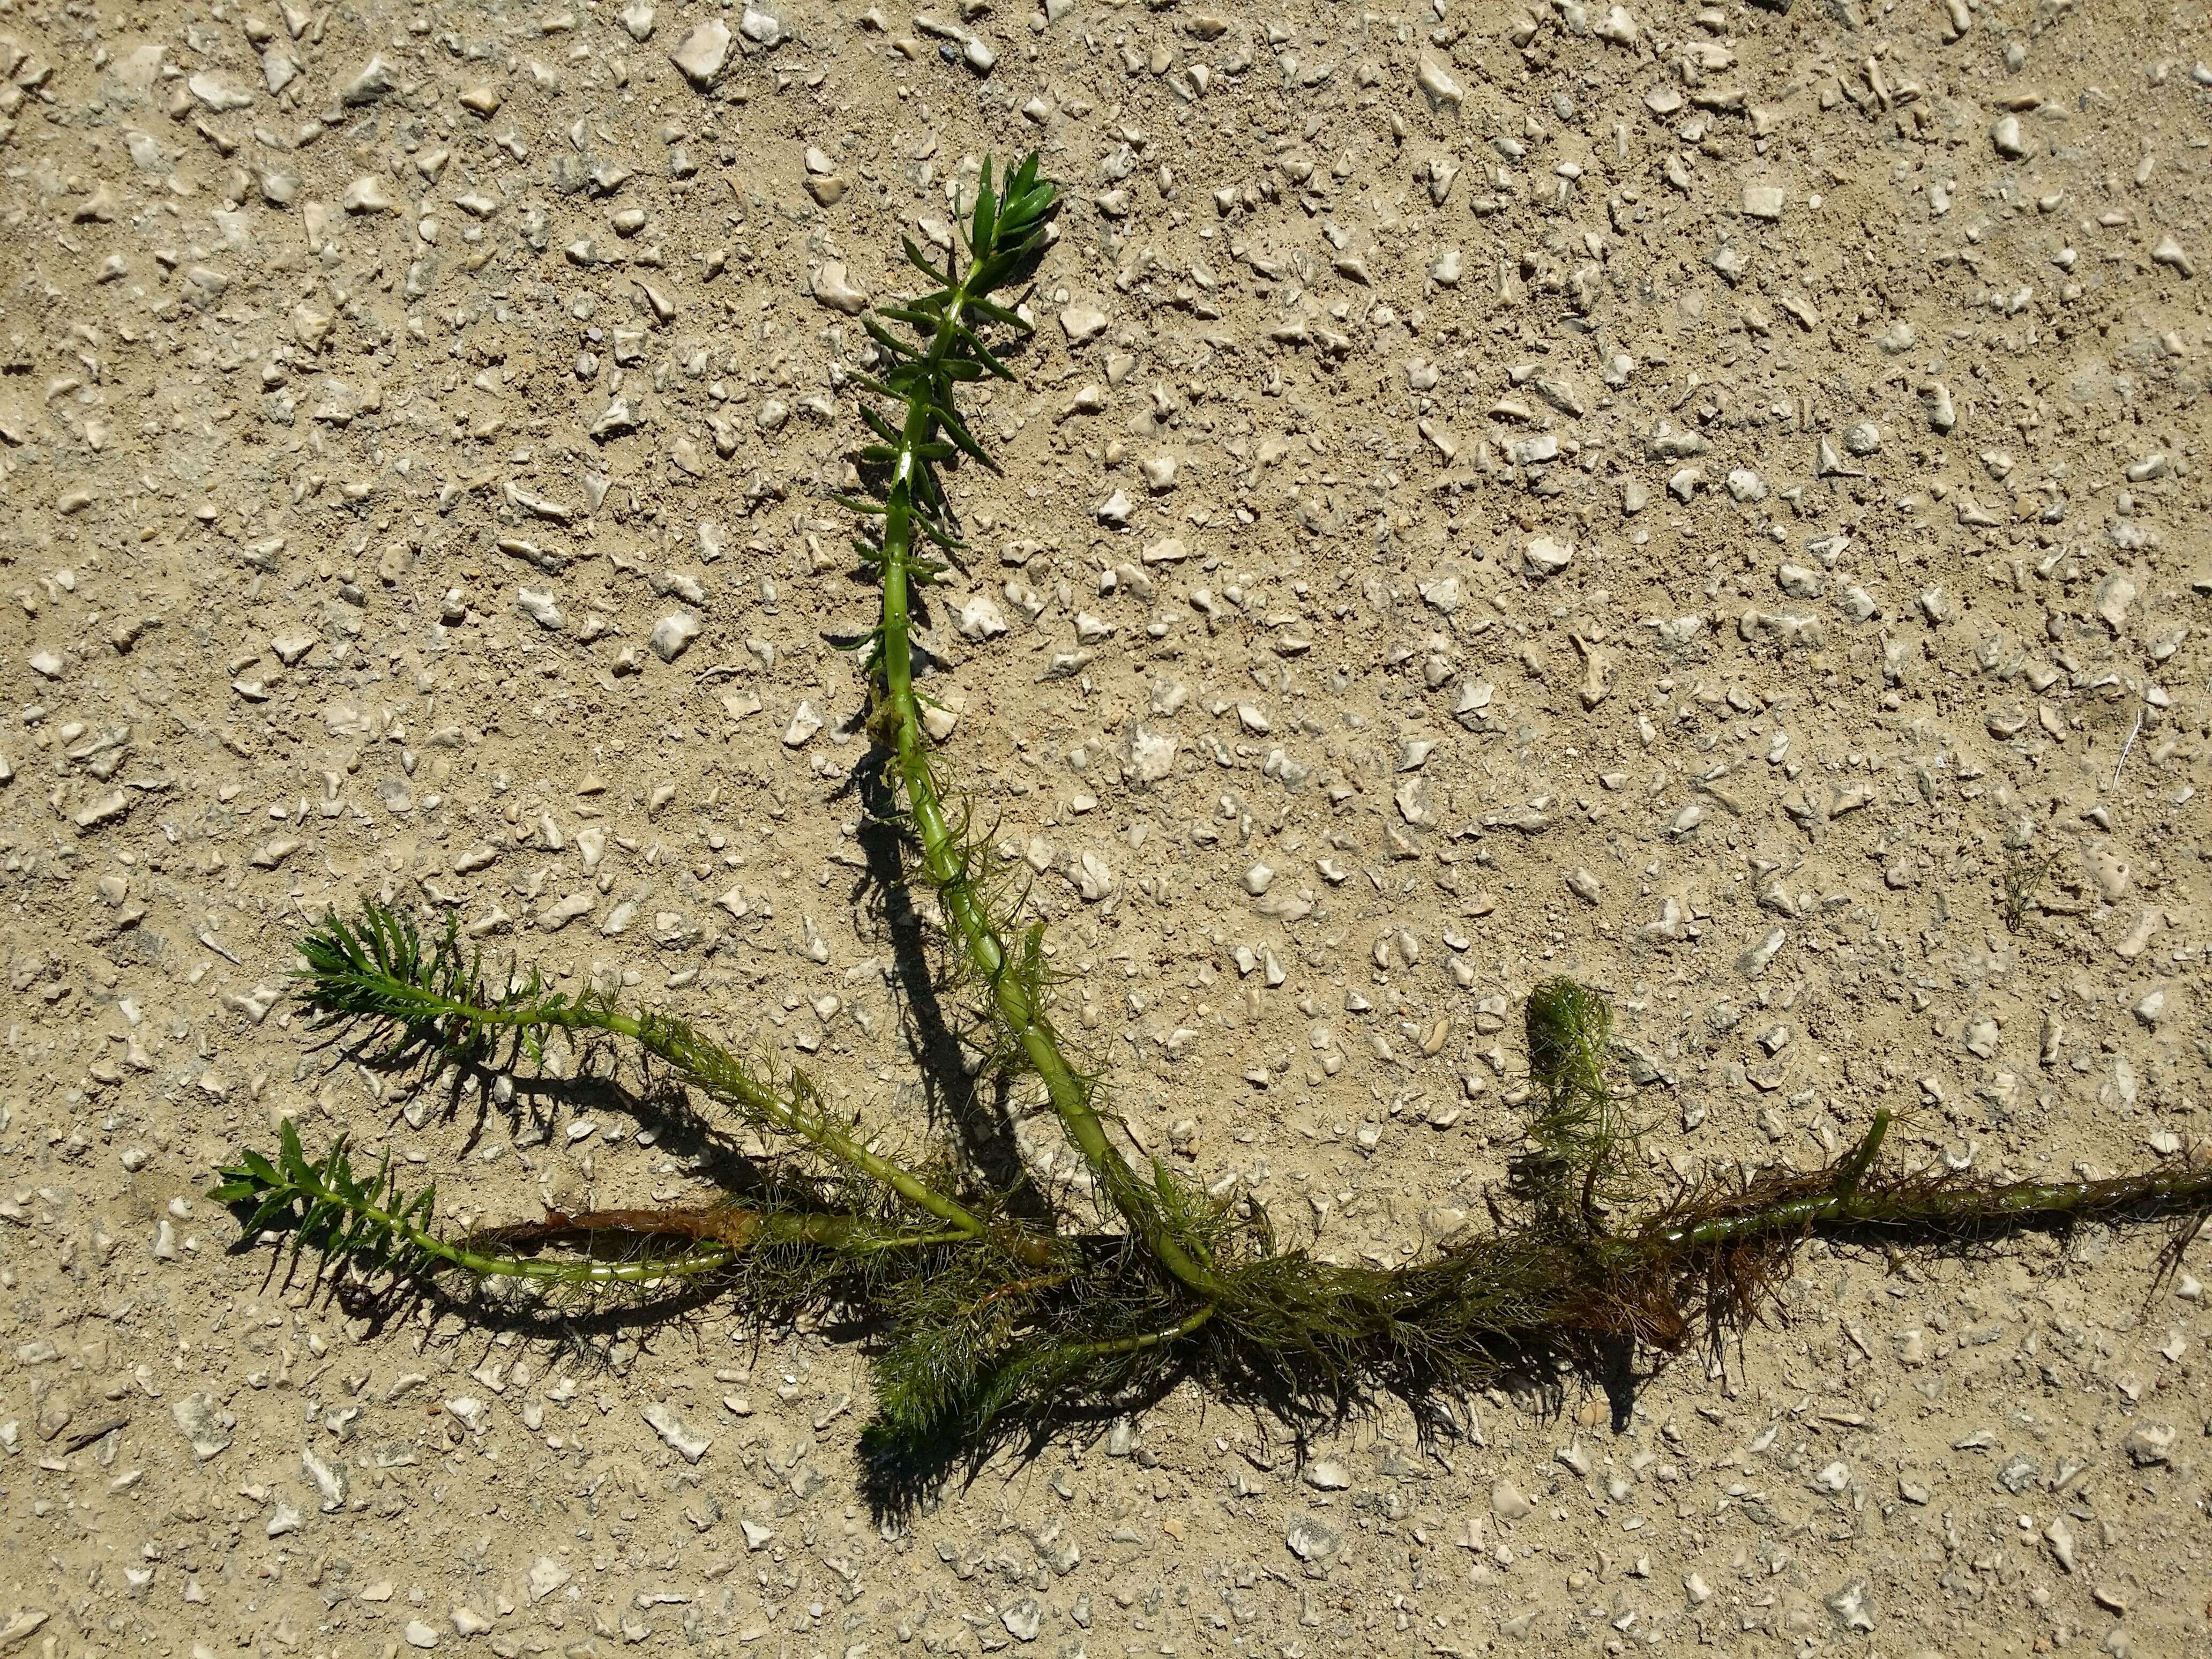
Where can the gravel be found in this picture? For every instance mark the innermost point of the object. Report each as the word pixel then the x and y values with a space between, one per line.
pixel 1703 500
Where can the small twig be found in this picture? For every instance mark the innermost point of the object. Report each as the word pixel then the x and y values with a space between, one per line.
pixel 2023 875
pixel 2124 747
pixel 99 1429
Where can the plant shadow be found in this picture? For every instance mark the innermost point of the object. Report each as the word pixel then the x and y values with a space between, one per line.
pixel 532 1105
pixel 1287 1408
pixel 973 1102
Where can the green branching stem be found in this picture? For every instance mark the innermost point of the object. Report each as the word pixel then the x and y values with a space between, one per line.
pixel 494 1263
pixel 378 969
pixel 1853 1169
pixel 945 860
pixel 677 1045
pixel 324 1206
pixel 1918 1216
pixel 1083 1354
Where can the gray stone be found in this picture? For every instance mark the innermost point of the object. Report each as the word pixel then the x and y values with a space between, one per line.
pixel 537 604
pixel 1762 201
pixel 1547 557
pixel 2150 1445
pixel 1437 85
pixel 371 82
pixel 682 1439
pixel 1024 1620
pixel 1082 324
pixel 330 1478
pixel 835 290
pixel 674 634
pixel 805 723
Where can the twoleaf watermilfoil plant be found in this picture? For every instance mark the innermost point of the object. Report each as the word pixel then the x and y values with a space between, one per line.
pixel 995 1307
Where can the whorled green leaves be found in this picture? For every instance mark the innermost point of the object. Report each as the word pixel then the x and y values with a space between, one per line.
pixel 368 1223
pixel 322 1205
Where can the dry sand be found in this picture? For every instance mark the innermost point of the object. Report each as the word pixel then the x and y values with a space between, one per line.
pixel 1689 497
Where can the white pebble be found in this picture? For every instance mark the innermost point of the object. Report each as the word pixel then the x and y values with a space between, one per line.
pixel 674 634
pixel 1442 91
pixel 1547 557
pixel 805 723
pixel 703 51
pixel 834 289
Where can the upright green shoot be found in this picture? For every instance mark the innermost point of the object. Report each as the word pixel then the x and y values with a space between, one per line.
pixel 1006 237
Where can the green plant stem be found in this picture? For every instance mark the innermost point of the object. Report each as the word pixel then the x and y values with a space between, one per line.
pixel 678 1048
pixel 731 1226
pixel 1084 1352
pixel 484 1264
pixel 911 1242
pixel 946 864
pixel 1936 1211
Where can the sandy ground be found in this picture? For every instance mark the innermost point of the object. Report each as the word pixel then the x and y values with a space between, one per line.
pixel 1706 499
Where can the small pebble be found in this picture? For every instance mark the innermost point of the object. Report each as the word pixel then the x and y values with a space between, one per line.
pixel 702 51
pixel 674 634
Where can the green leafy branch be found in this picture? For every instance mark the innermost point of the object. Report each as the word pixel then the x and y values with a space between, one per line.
pixel 417 995
pixel 1006 238
pixel 369 1223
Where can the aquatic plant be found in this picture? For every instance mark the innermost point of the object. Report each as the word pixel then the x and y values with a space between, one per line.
pixel 997 1307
